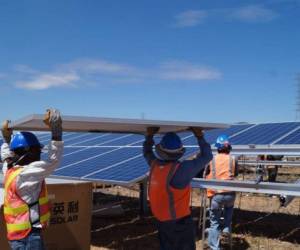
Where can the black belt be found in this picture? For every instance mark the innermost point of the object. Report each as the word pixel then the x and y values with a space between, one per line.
pixel 36 229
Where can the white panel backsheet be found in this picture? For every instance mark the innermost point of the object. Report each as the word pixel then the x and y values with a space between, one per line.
pixel 95 124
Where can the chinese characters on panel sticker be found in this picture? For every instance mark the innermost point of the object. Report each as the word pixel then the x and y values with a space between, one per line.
pixel 64 212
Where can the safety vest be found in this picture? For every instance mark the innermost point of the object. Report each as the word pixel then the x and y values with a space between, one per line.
pixel 222 167
pixel 166 202
pixel 17 211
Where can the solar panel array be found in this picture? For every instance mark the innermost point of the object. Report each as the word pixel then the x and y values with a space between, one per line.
pixel 117 158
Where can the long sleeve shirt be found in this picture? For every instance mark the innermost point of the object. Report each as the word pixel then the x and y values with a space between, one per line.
pixel 32 175
pixel 29 181
pixel 188 168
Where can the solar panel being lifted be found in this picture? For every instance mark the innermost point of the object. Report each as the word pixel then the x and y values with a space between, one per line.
pixel 99 124
pixel 117 158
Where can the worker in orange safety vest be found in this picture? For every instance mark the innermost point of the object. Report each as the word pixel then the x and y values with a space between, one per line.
pixel 26 205
pixel 222 167
pixel 169 187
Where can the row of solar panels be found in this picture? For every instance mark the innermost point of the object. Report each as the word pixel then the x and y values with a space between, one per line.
pixel 259 134
pixel 118 159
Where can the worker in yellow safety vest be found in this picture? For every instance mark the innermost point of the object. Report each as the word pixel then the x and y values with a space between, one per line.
pixel 26 206
pixel 222 167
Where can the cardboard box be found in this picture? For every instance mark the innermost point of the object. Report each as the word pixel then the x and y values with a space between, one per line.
pixel 70 223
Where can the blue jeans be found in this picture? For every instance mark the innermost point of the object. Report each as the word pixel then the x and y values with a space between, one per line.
pixel 33 241
pixel 219 201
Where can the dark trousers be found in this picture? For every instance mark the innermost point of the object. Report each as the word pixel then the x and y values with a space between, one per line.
pixel 33 241
pixel 177 234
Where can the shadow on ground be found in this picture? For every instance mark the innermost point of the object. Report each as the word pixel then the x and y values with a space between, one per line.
pixel 132 231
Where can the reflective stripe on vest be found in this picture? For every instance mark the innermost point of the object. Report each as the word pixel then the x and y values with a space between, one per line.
pixel 166 202
pixel 44 218
pixel 18 227
pixel 11 178
pixel 17 211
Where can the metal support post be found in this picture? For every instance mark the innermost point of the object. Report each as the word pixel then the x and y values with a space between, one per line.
pixel 143 197
pixel 204 218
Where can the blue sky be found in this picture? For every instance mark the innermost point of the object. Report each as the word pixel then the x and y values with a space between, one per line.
pixel 215 61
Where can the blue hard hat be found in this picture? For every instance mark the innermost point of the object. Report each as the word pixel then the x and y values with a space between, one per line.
pixel 170 147
pixel 222 142
pixel 24 140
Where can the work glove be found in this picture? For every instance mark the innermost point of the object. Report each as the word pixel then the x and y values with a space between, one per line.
pixel 198 132
pixel 152 130
pixel 6 131
pixel 53 120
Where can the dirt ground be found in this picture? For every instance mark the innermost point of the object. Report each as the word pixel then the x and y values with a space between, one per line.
pixel 258 221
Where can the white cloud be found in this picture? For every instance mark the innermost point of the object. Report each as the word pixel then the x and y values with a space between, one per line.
pixel 176 70
pixel 94 72
pixel 45 81
pixel 100 66
pixel 190 18
pixel 254 13
pixel 249 13
pixel 22 68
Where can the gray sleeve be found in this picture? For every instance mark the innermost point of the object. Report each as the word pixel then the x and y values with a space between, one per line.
pixel 148 150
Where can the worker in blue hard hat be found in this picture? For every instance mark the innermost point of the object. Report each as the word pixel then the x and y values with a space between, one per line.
pixel 26 206
pixel 222 167
pixel 169 187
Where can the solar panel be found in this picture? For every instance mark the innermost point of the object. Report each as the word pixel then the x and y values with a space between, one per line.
pixel 104 158
pixel 264 134
pixel 292 138
pixel 117 157
pixel 211 135
pixel 127 172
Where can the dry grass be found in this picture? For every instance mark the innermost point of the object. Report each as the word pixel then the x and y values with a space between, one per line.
pixel 258 222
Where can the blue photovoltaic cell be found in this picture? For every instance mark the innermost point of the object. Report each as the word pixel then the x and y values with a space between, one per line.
pixel 293 138
pixel 101 140
pixel 80 138
pixel 108 162
pixel 106 157
pixel 211 135
pixel 125 172
pixel 80 154
pixel 125 139
pixel 264 134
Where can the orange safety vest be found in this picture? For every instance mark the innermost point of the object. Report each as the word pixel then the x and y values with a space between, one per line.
pixel 222 167
pixel 166 202
pixel 17 211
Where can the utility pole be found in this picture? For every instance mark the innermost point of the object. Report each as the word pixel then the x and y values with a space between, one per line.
pixel 298 97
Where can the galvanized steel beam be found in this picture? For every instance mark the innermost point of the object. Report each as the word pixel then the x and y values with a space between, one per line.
pixel 249 186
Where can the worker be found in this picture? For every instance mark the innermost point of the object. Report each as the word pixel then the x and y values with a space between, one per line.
pixel 169 187
pixel 222 167
pixel 260 169
pixel 273 170
pixel 26 207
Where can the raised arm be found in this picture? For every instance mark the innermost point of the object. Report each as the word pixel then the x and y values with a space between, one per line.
pixel 148 145
pixel 6 154
pixel 190 168
pixel 37 171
